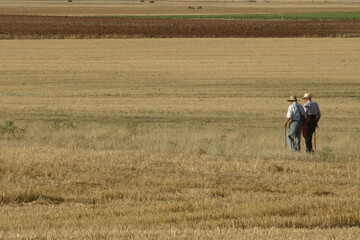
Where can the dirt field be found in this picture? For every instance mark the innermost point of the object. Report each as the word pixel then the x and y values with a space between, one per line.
pixel 176 139
pixel 16 22
pixel 87 27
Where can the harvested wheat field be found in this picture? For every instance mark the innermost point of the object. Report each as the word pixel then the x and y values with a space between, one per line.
pixel 176 139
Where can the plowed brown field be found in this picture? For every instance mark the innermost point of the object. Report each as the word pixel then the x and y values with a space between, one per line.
pixel 33 27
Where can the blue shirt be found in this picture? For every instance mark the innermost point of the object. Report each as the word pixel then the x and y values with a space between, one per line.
pixel 312 108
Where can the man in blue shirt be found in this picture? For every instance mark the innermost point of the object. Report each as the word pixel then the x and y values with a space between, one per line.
pixel 295 127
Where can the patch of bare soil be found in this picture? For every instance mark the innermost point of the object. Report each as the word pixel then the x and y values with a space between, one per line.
pixel 35 27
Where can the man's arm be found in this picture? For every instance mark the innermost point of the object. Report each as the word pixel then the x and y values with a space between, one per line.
pixel 318 115
pixel 287 120
pixel 288 115
pixel 317 120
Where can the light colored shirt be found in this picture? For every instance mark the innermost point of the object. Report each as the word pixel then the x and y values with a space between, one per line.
pixel 293 111
pixel 312 108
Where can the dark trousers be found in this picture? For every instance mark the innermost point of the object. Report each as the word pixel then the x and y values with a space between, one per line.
pixel 308 141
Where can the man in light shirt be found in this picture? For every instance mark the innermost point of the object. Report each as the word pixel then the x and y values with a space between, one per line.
pixel 313 116
pixel 295 127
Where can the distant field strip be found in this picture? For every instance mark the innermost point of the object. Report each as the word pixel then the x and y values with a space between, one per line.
pixel 137 26
pixel 165 7
pixel 314 16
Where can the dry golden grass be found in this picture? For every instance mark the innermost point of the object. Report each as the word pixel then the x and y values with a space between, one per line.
pixel 176 138
pixel 79 7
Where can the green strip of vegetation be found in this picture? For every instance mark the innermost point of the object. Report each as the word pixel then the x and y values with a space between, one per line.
pixel 285 16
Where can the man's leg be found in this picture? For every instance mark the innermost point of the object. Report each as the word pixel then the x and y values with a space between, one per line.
pixel 290 135
pixel 308 141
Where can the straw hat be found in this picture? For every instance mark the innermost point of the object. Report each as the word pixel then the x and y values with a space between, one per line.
pixel 307 95
pixel 292 98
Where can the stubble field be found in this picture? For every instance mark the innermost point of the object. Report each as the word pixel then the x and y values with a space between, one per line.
pixel 176 138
